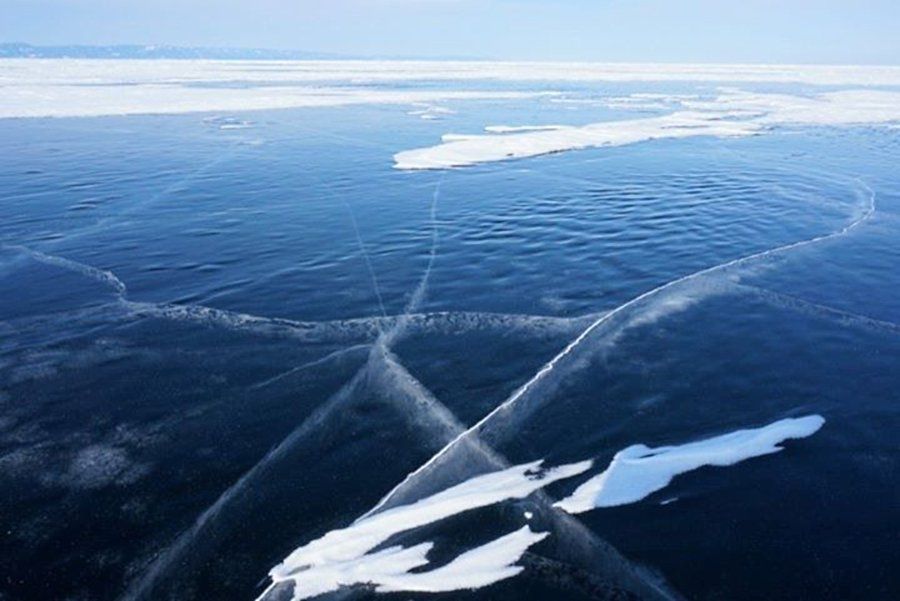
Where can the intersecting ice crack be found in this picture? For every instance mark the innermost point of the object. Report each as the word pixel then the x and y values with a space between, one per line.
pixel 366 258
pixel 471 434
pixel 106 222
pixel 379 354
pixel 609 317
pixel 780 299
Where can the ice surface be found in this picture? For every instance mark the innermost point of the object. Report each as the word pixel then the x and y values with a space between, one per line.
pixel 71 88
pixel 76 88
pixel 638 471
pixel 87 71
pixel 638 310
pixel 845 107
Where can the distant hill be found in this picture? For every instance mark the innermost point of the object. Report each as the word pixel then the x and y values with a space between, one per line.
pixel 21 50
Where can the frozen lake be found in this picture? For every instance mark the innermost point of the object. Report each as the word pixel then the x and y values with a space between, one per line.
pixel 480 330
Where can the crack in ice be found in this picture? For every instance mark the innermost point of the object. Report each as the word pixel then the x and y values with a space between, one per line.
pixel 608 317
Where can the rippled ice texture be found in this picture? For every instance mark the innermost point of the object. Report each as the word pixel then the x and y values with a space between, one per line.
pixel 232 340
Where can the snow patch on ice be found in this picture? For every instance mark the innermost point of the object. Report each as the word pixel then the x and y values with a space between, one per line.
pixel 347 556
pixel 431 112
pixel 71 88
pixel 476 568
pixel 733 113
pixel 368 72
pixel 512 129
pixel 638 471
pixel 351 556
pixel 79 100
pixel 489 148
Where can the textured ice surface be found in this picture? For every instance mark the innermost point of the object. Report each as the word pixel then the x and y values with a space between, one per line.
pixel 639 470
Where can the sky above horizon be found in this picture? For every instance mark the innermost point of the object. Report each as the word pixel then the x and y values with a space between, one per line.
pixel 770 31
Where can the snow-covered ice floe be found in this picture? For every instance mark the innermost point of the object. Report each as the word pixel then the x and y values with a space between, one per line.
pixel 366 72
pixel 514 129
pixel 472 150
pixel 101 100
pixel 638 471
pixel 730 114
pixel 86 87
pixel 355 555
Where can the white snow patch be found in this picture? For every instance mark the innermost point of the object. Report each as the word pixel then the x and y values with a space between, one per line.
pixel 95 101
pixel 348 556
pixel 431 112
pixel 512 129
pixel 363 72
pixel 733 113
pixel 846 107
pixel 457 137
pixel 75 87
pixel 345 556
pixel 473 150
pixel 638 471
pixel 475 568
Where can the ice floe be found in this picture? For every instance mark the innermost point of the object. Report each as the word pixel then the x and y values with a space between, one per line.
pixel 512 129
pixel 95 101
pixel 71 88
pixel 367 72
pixel 730 114
pixel 536 141
pixel 431 112
pixel 638 471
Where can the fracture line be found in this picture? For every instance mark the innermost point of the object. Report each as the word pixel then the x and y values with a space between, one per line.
pixel 316 363
pixel 366 258
pixel 105 222
pixel 418 295
pixel 101 275
pixel 340 330
pixel 145 585
pixel 788 301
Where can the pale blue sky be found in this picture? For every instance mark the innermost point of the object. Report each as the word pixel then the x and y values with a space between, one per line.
pixel 823 31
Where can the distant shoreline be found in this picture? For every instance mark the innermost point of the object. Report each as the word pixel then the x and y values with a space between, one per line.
pixel 166 52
